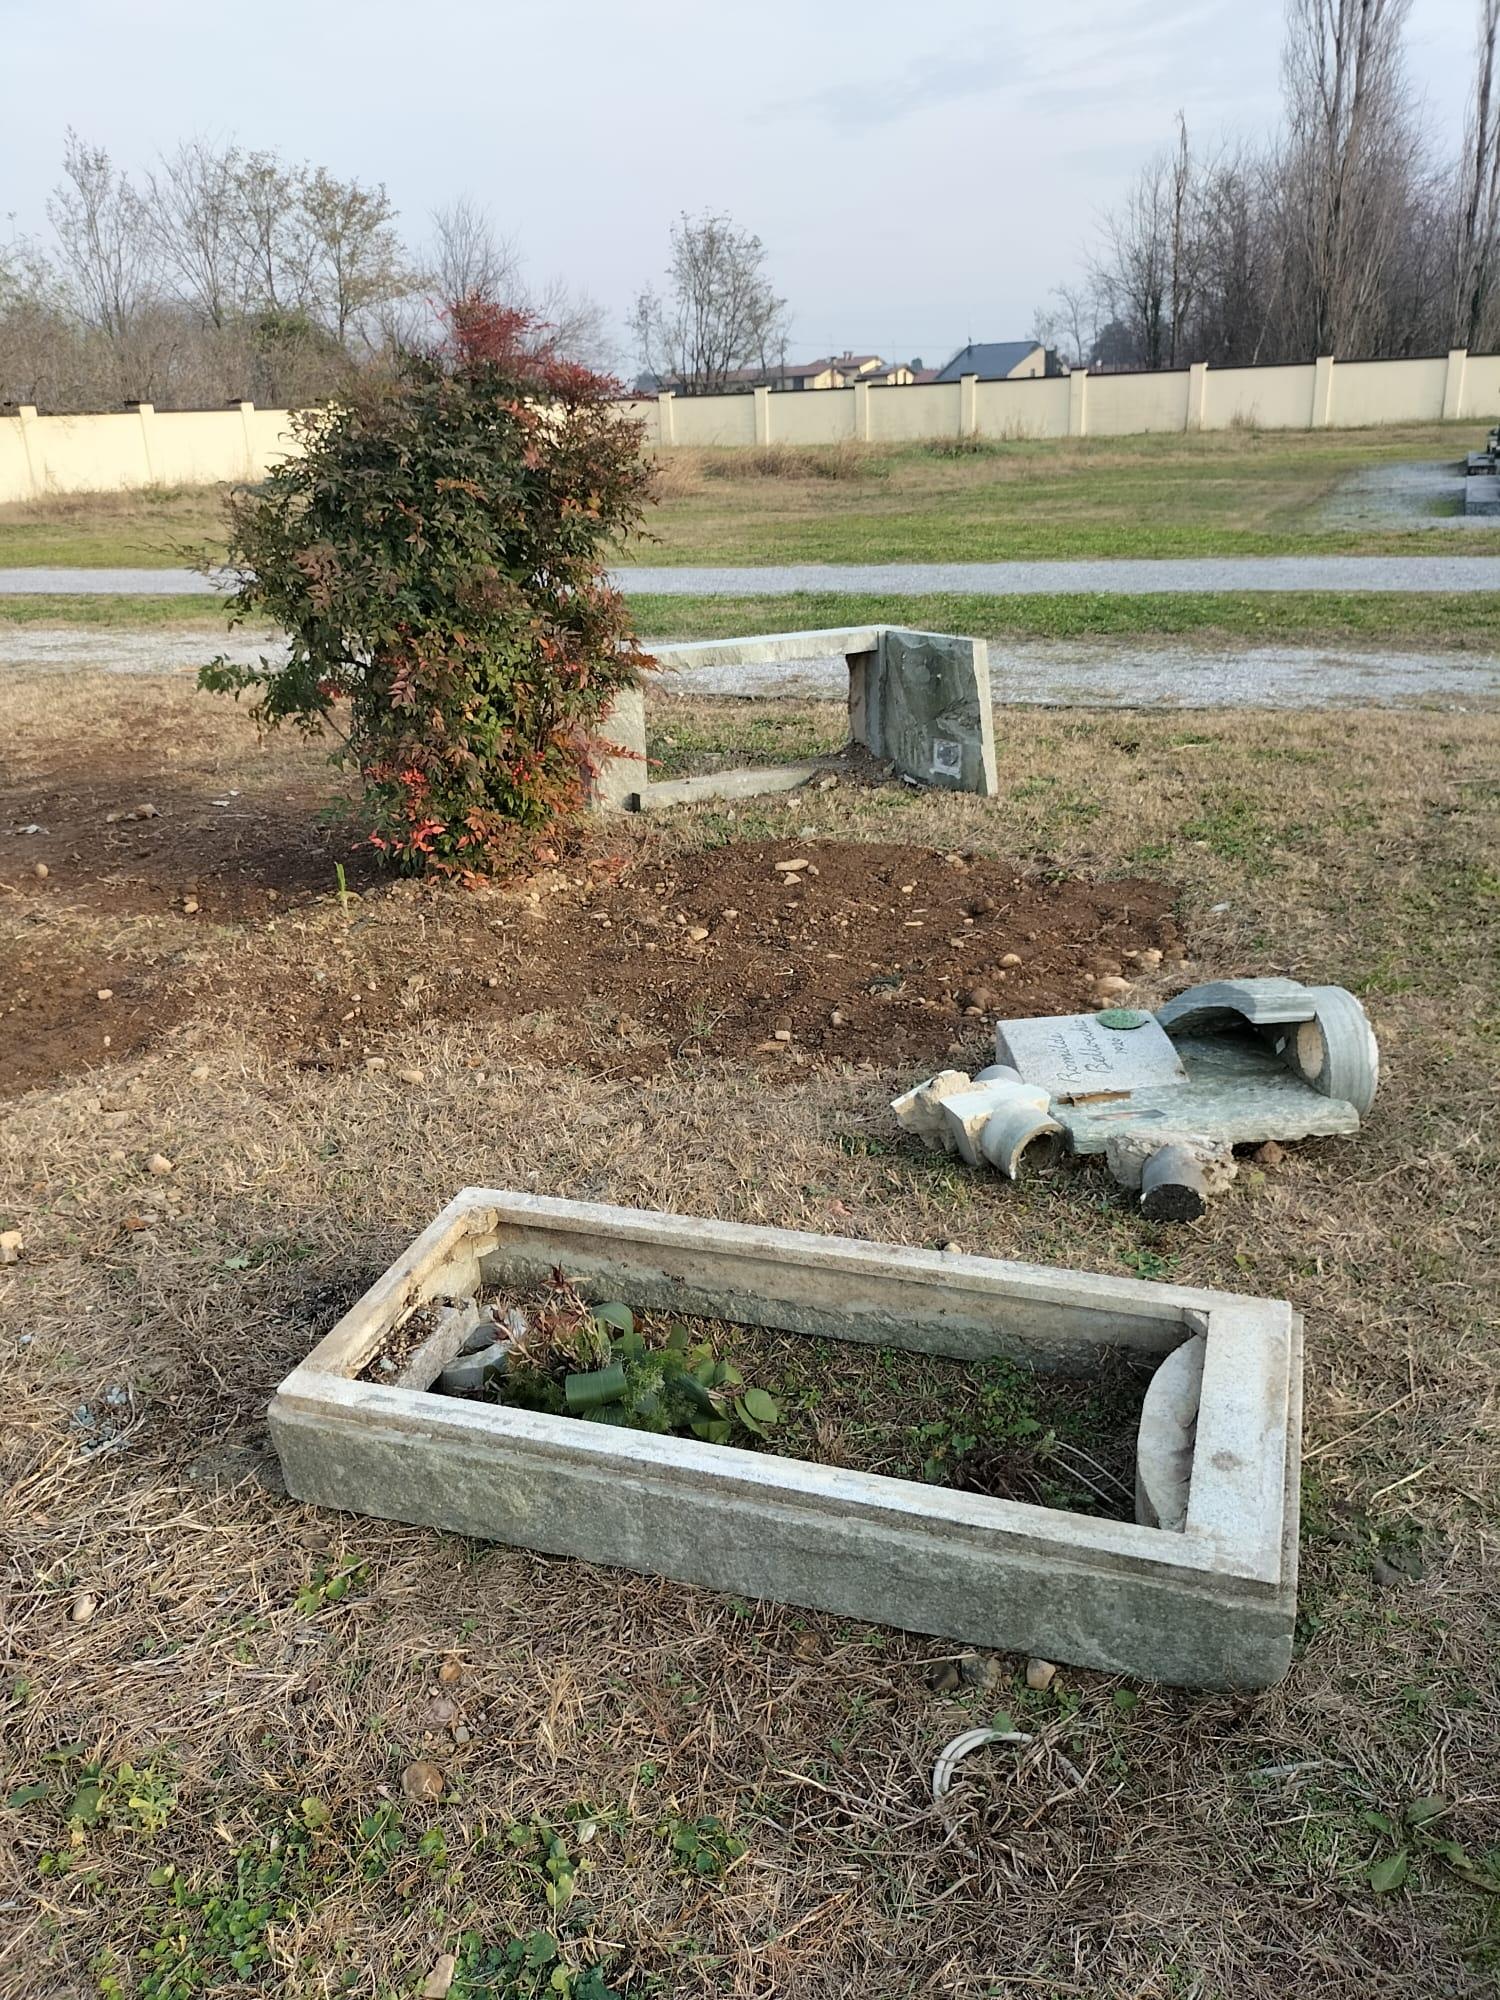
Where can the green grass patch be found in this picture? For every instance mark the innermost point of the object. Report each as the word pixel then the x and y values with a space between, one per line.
pixel 1221 493
pixel 88 610
pixel 1437 621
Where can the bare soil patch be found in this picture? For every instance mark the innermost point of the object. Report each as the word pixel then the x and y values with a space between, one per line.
pixel 625 957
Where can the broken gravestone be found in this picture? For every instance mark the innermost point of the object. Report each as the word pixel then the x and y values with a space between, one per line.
pixel 1166 1096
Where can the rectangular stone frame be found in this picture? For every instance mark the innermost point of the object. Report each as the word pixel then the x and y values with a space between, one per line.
pixel 919 700
pixel 1211 1606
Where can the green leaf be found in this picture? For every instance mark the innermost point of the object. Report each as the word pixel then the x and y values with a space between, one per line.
pixel 1422 1810
pixel 765 1409
pixel 1126 1700
pixel 84 1807
pixel 678 1339
pixel 1002 1723
pixel 28 1795
pixel 541 1948
pixel 597 1385
pixel 617 1316
pixel 1389 1872
pixel 741 1410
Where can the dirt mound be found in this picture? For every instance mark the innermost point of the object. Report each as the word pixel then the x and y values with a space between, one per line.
pixel 864 952
pixel 129 846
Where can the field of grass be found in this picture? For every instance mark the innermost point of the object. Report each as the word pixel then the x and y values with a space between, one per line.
pixel 1435 621
pixel 153 528
pixel 1215 493
pixel 1221 493
pixel 213 1693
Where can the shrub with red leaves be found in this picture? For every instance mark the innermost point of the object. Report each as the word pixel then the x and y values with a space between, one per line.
pixel 436 554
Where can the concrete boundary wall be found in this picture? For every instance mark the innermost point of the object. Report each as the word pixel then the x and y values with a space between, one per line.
pixel 142 446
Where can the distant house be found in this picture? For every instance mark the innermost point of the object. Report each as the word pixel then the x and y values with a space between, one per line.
pixel 999 361
pixel 830 371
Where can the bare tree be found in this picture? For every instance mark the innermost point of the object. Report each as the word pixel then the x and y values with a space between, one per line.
pixel 356 258
pixel 1348 163
pixel 192 207
pixel 468 259
pixel 105 237
pixel 1476 250
pixel 1071 326
pixel 719 313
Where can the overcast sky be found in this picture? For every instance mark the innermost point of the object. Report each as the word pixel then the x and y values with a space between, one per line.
pixel 921 171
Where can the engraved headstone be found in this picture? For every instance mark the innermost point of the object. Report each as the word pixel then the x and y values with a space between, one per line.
pixel 1081 1056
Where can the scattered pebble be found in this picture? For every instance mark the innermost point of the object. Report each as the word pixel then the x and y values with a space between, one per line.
pixel 85 1604
pixel 698 933
pixel 190 906
pixel 449 1672
pixel 437 1983
pixel 12 1243
pixel 375 1062
pixel 1011 959
pixel 782 1032
pixel 105 993
pixel 410 1076
pixel 953 1249
pixel 41 871
pixel 201 1073
pixel 1111 985
pixel 945 1677
pixel 159 1165
pixel 792 867
pixel 977 1669
pixel 422 1780
pixel 1271 1154
pixel 1040 1675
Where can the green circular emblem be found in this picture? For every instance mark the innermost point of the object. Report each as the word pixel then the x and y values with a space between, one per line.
pixel 1121 1017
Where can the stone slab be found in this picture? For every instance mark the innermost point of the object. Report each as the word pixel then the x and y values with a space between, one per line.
pixel 738 784
pixel 1079 1056
pixel 1237 1090
pixel 1482 495
pixel 1211 1605
pixel 926 706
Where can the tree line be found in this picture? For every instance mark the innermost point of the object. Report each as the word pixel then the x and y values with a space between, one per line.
pixel 224 272
pixel 1350 232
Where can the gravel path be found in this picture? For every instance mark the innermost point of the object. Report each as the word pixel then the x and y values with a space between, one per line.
pixel 1008 579
pixel 1058 673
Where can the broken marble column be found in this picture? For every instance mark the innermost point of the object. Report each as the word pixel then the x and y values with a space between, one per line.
pixel 1168 1431
pixel 1177 1174
pixel 993 1119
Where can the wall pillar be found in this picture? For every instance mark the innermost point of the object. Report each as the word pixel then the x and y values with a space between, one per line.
pixel 968 405
pixel 862 410
pixel 666 429
pixel 762 415
pixel 1197 401
pixel 1453 385
pixel 1078 402
pixel 26 416
pixel 147 414
pixel 247 411
pixel 1322 394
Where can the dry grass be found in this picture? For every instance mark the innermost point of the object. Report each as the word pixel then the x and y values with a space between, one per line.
pixel 145 527
pixel 1241 492
pixel 1356 848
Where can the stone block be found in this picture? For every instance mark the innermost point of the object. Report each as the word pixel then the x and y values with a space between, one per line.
pixel 924 703
pixel 1209 1604
pixel 620 773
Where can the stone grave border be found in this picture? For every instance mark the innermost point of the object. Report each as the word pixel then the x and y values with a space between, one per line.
pixel 1209 1605
pixel 887 664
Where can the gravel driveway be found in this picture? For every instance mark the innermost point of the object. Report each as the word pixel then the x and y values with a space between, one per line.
pixel 1006 579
